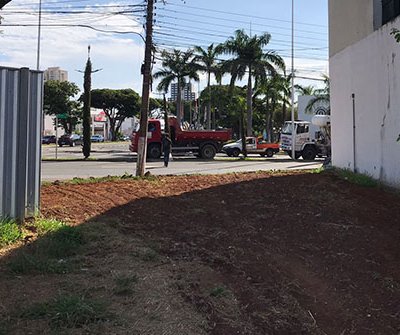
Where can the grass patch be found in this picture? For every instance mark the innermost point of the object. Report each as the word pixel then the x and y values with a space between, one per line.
pixel 67 311
pixel 124 284
pixel 94 180
pixel 10 232
pixel 150 255
pixel 357 178
pixel 218 291
pixel 44 226
pixel 50 253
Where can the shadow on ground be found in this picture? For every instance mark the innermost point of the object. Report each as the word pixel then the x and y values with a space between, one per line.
pixel 234 254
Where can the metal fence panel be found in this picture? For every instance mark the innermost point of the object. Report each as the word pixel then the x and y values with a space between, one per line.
pixel 21 101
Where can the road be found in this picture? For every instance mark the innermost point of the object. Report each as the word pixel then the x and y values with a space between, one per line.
pixel 115 160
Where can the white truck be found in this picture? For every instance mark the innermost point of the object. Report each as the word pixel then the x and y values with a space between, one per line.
pixel 308 144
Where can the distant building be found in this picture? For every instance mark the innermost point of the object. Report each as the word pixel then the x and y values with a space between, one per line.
pixel 187 94
pixel 55 73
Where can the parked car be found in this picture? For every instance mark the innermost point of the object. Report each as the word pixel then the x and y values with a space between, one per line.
pixel 47 139
pixel 70 139
pixel 97 138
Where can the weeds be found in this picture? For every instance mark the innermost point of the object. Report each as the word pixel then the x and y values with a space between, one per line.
pixel 69 311
pixel 10 232
pixel 150 255
pixel 44 225
pixel 48 255
pixel 218 291
pixel 356 178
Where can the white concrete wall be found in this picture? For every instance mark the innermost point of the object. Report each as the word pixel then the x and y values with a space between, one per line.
pixel 371 70
pixel 349 22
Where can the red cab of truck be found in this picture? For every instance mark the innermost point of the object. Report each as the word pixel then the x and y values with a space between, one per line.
pixel 203 143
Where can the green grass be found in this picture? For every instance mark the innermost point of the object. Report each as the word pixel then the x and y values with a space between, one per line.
pixel 94 180
pixel 10 232
pixel 357 178
pixel 50 253
pixel 67 311
pixel 44 226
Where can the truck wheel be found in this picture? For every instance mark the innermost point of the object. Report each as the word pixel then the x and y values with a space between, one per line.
pixel 269 152
pixel 235 152
pixel 308 153
pixel 208 151
pixel 154 151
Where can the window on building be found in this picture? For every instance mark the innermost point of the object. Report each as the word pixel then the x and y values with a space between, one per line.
pixel 390 10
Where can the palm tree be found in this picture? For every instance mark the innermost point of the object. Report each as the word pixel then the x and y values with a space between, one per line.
pixel 321 95
pixel 207 60
pixel 249 57
pixel 179 66
pixel 305 90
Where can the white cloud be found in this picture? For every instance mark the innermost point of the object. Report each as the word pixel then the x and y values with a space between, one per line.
pixel 120 56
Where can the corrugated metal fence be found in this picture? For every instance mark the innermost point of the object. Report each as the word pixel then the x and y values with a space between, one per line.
pixel 21 102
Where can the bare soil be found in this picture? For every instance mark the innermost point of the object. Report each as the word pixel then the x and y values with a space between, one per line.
pixel 252 253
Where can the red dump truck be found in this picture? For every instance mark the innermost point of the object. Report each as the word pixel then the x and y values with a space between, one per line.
pixel 203 143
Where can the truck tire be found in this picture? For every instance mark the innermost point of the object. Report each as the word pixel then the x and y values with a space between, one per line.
pixel 309 153
pixel 269 152
pixel 154 151
pixel 235 152
pixel 208 151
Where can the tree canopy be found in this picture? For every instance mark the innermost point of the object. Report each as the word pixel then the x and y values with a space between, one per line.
pixel 58 101
pixel 117 105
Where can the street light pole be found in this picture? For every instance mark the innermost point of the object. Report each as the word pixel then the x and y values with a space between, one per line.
pixel 38 38
pixel 293 130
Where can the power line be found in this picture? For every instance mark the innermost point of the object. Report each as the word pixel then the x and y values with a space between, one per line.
pixel 246 15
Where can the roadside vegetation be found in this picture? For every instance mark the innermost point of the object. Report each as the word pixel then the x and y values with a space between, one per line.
pixel 181 255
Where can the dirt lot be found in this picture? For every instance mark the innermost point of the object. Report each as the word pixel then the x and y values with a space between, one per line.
pixel 248 253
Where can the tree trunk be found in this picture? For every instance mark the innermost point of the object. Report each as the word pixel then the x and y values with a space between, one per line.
pixel 284 110
pixel 249 105
pixel 179 104
pixel 243 131
pixel 209 101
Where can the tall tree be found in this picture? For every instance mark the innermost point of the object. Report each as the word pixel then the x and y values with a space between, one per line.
pixel 58 100
pixel 321 95
pixel 87 86
pixel 207 60
pixel 177 66
pixel 305 90
pixel 117 105
pixel 249 56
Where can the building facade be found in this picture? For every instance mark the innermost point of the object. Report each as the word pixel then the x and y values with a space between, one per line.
pixel 187 94
pixel 365 83
pixel 55 73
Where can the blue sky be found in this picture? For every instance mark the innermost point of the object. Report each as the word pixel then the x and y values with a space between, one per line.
pixel 179 24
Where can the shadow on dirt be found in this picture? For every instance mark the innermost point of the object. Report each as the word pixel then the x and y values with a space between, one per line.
pixel 259 254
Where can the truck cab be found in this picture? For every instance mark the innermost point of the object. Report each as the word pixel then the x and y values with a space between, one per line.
pixel 308 144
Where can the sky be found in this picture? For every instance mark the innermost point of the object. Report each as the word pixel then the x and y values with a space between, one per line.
pixel 113 30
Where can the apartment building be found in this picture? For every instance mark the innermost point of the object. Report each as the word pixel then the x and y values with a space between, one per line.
pixel 365 83
pixel 55 73
pixel 187 94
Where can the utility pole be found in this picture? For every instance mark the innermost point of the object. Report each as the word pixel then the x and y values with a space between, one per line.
pixel 292 98
pixel 144 111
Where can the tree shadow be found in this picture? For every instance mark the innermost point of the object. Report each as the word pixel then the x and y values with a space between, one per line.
pixel 279 250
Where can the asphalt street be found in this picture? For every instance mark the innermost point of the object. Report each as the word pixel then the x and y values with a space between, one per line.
pixel 115 160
